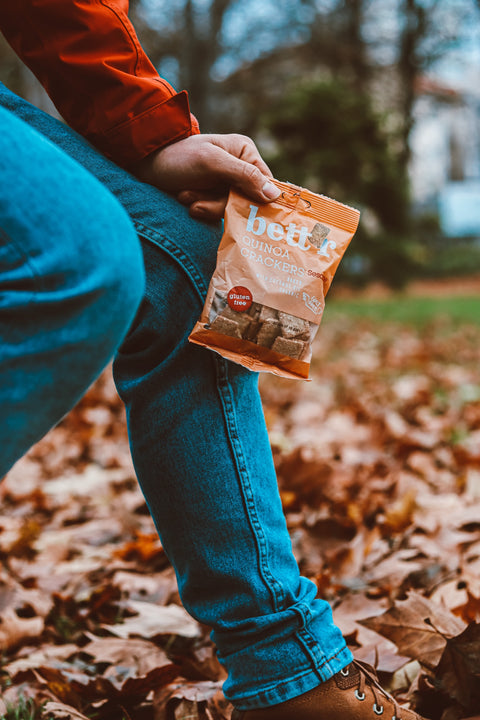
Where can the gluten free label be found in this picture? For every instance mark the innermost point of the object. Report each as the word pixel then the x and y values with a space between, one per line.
pixel 240 298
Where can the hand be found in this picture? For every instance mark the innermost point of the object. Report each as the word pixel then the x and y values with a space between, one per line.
pixel 200 170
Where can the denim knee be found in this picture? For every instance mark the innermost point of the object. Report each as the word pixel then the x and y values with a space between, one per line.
pixel 67 247
pixel 107 276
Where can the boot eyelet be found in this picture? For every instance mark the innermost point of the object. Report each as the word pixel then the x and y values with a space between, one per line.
pixel 359 696
pixel 378 710
pixel 345 672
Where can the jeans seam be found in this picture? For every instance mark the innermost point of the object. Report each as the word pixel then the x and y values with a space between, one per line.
pixel 309 642
pixel 272 584
pixel 164 243
pixel 311 646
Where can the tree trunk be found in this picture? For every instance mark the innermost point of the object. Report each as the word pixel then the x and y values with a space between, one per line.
pixel 201 48
pixel 409 63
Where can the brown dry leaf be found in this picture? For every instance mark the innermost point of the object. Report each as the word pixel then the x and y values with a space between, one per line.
pixel 391 572
pixel 458 672
pixel 183 709
pixel 15 630
pixel 152 620
pixel 41 657
pixel 23 546
pixel 470 610
pixel 59 686
pixel 404 678
pixel 186 700
pixel 355 607
pixel 157 587
pixel 304 474
pixel 461 596
pixel 418 627
pixel 141 655
pixel 144 548
pixel 200 663
pixel 60 710
pixel 81 690
pixel 399 516
pixel 381 656
pixel 139 687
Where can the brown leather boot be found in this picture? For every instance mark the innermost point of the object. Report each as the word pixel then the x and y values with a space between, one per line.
pixel 352 694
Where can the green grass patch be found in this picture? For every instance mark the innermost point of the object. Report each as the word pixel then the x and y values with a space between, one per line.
pixel 25 709
pixel 407 310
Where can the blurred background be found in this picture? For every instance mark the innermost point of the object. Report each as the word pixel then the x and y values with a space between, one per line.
pixel 374 102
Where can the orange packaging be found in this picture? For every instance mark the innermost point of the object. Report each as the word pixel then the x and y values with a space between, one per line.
pixel 275 264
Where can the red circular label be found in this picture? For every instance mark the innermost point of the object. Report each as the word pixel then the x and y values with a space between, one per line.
pixel 239 298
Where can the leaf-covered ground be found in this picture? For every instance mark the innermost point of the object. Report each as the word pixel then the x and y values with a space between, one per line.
pixel 378 462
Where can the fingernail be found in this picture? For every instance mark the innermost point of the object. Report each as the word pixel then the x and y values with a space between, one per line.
pixel 270 190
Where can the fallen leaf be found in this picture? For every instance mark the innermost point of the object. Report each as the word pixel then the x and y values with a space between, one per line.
pixel 60 710
pixel 15 630
pixel 399 515
pixel 151 620
pixel 458 672
pixel 43 656
pixel 188 700
pixel 418 627
pixel 141 655
pixel 144 548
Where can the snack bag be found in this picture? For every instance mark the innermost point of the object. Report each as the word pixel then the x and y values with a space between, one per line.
pixel 275 264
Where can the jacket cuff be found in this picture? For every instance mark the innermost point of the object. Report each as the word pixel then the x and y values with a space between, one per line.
pixel 160 125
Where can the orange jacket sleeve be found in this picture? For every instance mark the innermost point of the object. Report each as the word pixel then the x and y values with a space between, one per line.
pixel 87 56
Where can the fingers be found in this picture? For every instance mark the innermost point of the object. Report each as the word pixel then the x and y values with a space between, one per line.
pixel 254 184
pixel 206 206
pixel 208 210
pixel 243 148
pixel 251 176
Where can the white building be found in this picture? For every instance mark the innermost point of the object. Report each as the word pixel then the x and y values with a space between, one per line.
pixel 445 166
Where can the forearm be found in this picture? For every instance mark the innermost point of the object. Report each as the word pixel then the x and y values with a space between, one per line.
pixel 87 56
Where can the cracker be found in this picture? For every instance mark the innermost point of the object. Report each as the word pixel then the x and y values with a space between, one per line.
pixel 219 303
pixel 250 332
pixel 269 330
pixel 319 234
pixel 242 319
pixel 255 310
pixel 224 326
pixel 293 326
pixel 286 346
pixel 267 313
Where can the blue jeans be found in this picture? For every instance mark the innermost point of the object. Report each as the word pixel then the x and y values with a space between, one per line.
pixel 196 425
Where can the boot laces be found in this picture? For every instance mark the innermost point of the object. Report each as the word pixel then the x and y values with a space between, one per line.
pixel 367 676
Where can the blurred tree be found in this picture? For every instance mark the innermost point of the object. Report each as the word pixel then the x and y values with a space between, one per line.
pixel 339 41
pixel 428 30
pixel 328 136
pixel 196 43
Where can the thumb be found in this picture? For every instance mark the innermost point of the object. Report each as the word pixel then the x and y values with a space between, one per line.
pixel 249 179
